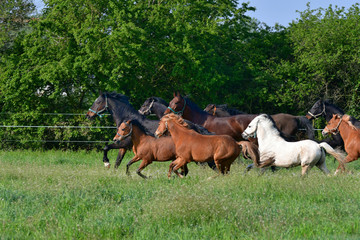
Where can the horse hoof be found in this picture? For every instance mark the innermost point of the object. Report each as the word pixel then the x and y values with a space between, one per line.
pixel 107 164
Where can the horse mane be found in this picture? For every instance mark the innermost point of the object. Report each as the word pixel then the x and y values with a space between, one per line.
pixel 353 122
pixel 139 125
pixel 177 118
pixel 192 105
pixel 281 134
pixel 230 110
pixel 159 100
pixel 119 96
pixel 328 102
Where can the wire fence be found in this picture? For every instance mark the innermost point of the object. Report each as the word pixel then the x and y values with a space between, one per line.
pixel 63 127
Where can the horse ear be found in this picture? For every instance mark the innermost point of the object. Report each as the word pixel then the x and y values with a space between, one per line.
pixel 100 93
pixel 128 121
pixel 174 94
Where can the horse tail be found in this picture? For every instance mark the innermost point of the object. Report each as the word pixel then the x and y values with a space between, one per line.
pixel 305 123
pixel 337 154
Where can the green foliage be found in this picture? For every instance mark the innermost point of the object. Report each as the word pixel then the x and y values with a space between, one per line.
pixel 210 50
pixel 326 59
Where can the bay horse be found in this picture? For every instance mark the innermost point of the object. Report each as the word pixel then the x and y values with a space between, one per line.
pixel 119 107
pixel 272 145
pixel 326 109
pixel 192 146
pixel 146 147
pixel 236 124
pixel 345 126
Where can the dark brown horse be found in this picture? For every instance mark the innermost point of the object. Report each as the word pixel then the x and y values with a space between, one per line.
pixel 344 125
pixel 146 147
pixel 234 125
pixel 191 146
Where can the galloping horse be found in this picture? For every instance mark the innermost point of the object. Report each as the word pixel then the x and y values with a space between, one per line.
pixel 146 147
pixel 345 125
pixel 191 146
pixel 233 125
pixel 272 145
pixel 324 108
pixel 119 107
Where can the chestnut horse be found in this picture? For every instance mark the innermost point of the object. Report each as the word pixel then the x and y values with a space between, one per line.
pixel 345 126
pixel 235 125
pixel 146 147
pixel 192 146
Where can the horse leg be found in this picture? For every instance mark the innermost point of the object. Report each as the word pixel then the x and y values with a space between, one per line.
pixel 304 170
pixel 322 165
pixel 348 159
pixel 171 166
pixel 106 149
pixel 120 157
pixel 178 165
pixel 143 165
pixel 184 170
pixel 134 159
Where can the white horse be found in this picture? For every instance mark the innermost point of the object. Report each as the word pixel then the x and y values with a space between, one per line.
pixel 272 145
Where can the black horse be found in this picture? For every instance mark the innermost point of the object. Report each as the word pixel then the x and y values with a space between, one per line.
pixel 154 105
pixel 119 107
pixel 324 108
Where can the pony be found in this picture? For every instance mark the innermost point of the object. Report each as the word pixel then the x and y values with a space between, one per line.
pixel 121 110
pixel 192 146
pixel 272 145
pixel 146 147
pixel 234 125
pixel 345 125
pixel 153 105
pixel 221 110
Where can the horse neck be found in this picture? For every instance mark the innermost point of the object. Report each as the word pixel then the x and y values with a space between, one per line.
pixel 119 115
pixel 158 109
pixel 330 110
pixel 195 115
pixel 267 134
pixel 176 131
pixel 137 135
pixel 345 130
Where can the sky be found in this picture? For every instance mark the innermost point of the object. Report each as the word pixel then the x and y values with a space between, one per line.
pixel 282 12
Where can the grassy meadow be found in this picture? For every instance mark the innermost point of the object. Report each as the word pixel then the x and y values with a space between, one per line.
pixel 70 195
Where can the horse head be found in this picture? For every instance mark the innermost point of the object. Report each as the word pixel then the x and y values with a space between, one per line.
pixel 124 130
pixel 333 125
pixel 98 107
pixel 177 104
pixel 146 108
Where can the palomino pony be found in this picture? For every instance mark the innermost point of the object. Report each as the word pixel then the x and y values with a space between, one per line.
pixel 345 126
pixel 272 145
pixel 234 125
pixel 146 147
pixel 191 146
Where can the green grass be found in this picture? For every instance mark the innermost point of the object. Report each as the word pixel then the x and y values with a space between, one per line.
pixel 70 195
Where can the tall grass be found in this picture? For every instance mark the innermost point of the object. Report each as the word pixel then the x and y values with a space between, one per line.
pixel 57 195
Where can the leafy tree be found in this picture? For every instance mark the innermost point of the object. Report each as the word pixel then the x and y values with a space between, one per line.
pixel 326 59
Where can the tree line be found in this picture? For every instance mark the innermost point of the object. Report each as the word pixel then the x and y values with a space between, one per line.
pixel 59 60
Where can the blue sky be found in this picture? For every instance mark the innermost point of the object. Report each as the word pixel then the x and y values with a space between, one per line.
pixel 279 11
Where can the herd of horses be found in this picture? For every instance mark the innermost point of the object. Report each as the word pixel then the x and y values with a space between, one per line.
pixel 217 135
